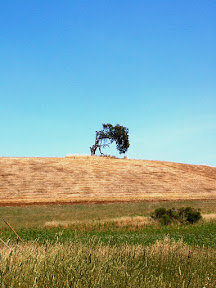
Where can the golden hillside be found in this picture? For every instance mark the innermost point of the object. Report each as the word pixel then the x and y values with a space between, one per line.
pixel 98 179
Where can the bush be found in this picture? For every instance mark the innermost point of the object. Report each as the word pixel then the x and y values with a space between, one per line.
pixel 160 212
pixel 182 215
pixel 165 220
pixel 193 216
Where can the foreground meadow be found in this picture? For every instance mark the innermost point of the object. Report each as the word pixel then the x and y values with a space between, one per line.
pixel 114 245
pixel 165 264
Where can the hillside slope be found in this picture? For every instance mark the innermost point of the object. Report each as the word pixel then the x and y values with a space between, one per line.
pixel 90 179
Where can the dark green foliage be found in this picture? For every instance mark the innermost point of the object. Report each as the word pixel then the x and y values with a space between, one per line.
pixel 159 212
pixel 165 220
pixel 181 215
pixel 191 215
pixel 118 134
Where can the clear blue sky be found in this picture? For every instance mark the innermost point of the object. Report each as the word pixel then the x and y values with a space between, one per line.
pixel 66 67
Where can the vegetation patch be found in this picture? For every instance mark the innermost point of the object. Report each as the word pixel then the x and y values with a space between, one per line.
pixel 167 263
pixel 181 215
pixel 115 245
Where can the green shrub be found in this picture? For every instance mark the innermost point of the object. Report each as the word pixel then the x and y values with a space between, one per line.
pixel 160 212
pixel 165 220
pixel 172 213
pixel 193 216
pixel 182 215
pixel 189 215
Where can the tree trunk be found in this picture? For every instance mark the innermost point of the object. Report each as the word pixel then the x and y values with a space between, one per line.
pixel 95 146
pixel 93 149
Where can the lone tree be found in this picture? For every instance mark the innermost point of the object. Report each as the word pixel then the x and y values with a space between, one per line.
pixel 110 134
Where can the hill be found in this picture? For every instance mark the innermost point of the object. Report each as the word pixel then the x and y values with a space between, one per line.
pixel 101 179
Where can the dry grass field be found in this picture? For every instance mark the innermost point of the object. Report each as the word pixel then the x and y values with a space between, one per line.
pixel 88 179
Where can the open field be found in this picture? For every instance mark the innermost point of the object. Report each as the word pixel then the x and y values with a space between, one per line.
pixel 116 222
pixel 101 179
pixel 110 256
pixel 106 245
pixel 167 263
pixel 45 215
pixel 112 244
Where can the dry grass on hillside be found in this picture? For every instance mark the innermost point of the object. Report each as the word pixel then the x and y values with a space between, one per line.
pixel 101 179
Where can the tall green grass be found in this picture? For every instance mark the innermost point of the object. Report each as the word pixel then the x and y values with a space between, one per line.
pixel 98 251
pixel 201 234
pixel 165 264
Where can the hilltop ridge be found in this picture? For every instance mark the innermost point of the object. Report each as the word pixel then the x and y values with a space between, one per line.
pixel 78 179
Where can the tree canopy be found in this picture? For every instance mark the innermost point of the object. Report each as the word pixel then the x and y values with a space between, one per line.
pixel 110 134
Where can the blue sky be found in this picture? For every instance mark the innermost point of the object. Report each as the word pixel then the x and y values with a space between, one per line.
pixel 68 66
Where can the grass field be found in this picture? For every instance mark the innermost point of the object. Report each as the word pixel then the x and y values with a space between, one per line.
pixel 106 245
pixel 45 215
pixel 165 264
pixel 113 244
